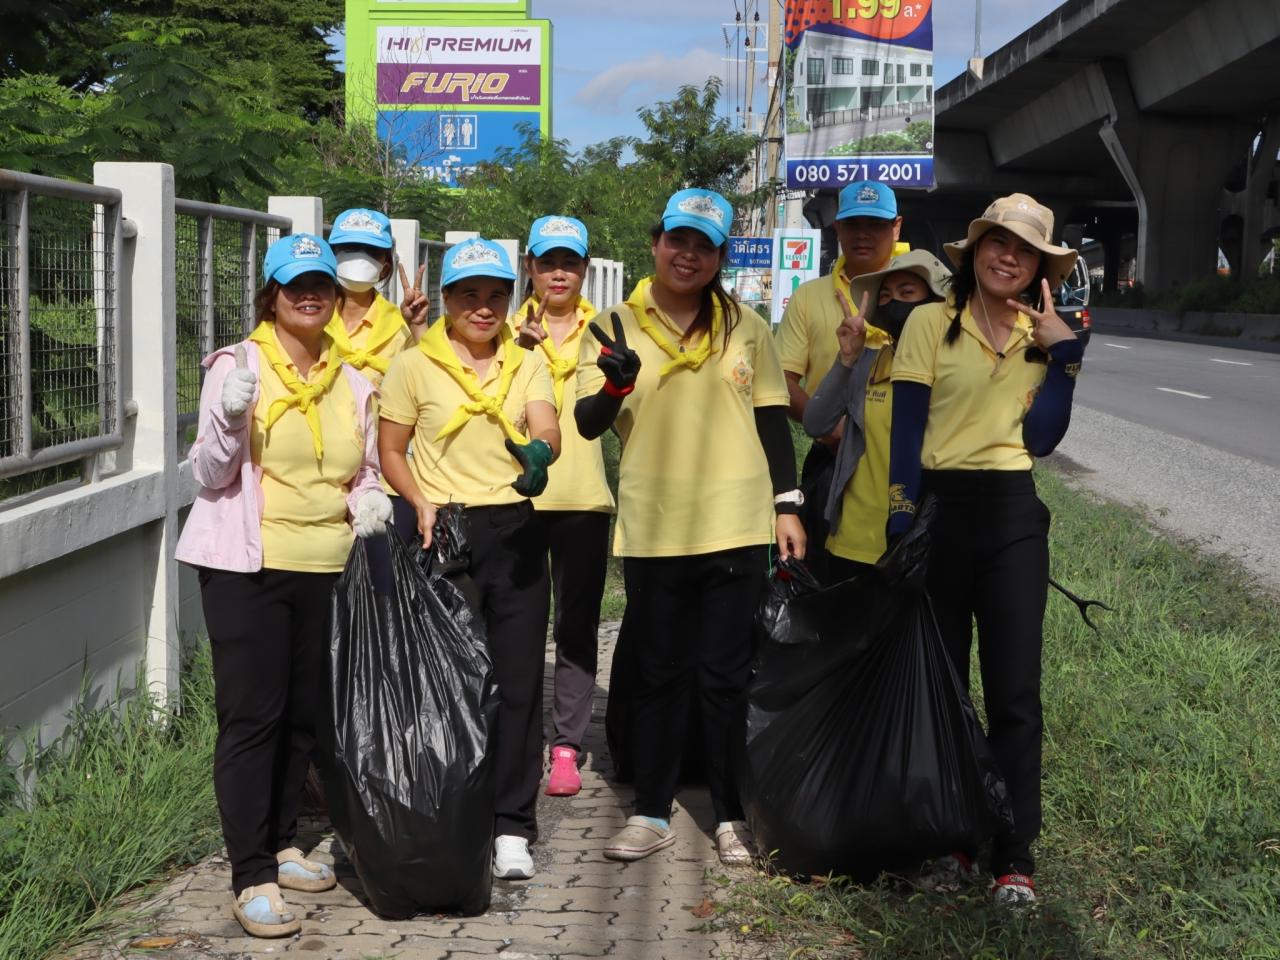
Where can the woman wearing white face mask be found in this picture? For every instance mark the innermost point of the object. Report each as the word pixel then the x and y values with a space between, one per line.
pixel 368 330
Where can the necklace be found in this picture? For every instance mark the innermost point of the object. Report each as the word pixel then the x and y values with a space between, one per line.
pixel 991 336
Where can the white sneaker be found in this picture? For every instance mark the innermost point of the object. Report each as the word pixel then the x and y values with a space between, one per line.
pixel 511 860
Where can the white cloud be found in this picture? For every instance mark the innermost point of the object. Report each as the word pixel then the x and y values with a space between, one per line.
pixel 655 76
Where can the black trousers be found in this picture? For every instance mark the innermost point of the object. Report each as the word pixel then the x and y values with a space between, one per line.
pixel 816 474
pixel 269 632
pixel 990 562
pixel 508 587
pixel 579 544
pixel 693 619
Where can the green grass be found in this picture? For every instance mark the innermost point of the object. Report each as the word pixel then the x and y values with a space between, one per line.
pixel 118 803
pixel 1161 759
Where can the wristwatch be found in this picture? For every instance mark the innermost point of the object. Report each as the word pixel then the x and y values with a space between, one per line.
pixel 791 496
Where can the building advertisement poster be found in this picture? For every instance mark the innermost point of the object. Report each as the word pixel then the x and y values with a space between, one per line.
pixel 859 92
pixel 448 86
pixel 795 260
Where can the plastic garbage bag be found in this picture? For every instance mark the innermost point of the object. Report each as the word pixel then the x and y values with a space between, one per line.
pixel 413 706
pixel 862 751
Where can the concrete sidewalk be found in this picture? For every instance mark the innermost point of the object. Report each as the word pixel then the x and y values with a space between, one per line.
pixel 578 905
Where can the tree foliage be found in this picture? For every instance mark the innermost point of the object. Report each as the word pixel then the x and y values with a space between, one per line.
pixel 242 98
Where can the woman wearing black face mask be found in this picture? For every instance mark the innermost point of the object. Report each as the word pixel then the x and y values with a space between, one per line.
pixel 858 387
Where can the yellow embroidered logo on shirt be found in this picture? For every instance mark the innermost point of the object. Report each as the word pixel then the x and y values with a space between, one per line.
pixel 741 373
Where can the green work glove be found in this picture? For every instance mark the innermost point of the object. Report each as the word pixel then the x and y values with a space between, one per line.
pixel 534 457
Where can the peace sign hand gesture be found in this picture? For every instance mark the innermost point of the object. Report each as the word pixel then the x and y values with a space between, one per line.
pixel 618 362
pixel 852 332
pixel 532 332
pixel 416 305
pixel 1047 328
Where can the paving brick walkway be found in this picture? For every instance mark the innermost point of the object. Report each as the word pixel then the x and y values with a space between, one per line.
pixel 578 905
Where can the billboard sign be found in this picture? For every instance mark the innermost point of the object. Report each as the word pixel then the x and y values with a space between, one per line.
pixel 795 261
pixel 449 93
pixel 859 92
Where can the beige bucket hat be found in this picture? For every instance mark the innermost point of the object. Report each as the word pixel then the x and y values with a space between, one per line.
pixel 920 262
pixel 1023 216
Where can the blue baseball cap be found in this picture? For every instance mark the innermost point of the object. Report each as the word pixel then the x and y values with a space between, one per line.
pixel 476 257
pixel 547 233
pixel 867 198
pixel 292 256
pixel 366 227
pixel 703 210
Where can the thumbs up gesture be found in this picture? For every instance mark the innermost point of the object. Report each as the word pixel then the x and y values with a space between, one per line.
pixel 239 387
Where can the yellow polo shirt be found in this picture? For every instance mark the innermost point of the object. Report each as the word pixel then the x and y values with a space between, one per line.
pixel 975 415
pixel 374 344
pixel 864 505
pixel 576 481
pixel 472 465
pixel 693 477
pixel 304 500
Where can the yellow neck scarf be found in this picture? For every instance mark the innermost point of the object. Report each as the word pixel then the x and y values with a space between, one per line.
pixel 435 344
pixel 875 336
pixel 387 322
pixel 302 394
pixel 641 301
pixel 561 367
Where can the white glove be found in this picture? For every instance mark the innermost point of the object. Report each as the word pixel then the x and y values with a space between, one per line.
pixel 372 513
pixel 238 388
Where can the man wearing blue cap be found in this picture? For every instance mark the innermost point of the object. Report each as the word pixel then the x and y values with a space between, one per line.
pixel 867 227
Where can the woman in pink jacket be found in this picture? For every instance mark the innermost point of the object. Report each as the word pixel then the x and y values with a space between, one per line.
pixel 286 459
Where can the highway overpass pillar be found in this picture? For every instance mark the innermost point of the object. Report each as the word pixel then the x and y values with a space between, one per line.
pixel 1175 169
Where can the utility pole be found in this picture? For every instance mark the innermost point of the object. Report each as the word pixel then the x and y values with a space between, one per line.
pixel 773 113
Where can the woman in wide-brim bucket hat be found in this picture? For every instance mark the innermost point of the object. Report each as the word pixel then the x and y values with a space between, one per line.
pixel 1022 216
pixel 983 385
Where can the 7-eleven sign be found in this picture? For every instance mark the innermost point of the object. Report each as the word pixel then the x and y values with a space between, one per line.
pixel 797 253
pixel 795 262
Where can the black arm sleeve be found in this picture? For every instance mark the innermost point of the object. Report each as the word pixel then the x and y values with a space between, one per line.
pixel 1046 422
pixel 594 415
pixel 775 437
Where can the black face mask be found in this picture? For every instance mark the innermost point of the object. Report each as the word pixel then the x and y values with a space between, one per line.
pixel 891 316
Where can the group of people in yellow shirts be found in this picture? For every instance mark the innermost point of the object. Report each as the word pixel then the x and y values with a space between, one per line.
pixel 343 413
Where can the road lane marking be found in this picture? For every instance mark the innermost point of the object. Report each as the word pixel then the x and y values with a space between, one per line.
pixel 1234 363
pixel 1117 346
pixel 1184 393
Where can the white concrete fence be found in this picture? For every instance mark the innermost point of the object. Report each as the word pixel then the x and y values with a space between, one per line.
pixel 110 294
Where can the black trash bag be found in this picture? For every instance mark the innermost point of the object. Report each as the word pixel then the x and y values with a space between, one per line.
pixel 862 751
pixel 407 773
pixel 617 720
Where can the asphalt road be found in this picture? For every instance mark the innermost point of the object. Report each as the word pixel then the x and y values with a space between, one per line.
pixel 1189 432
pixel 1225 398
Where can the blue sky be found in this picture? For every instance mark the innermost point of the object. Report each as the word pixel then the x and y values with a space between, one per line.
pixel 607 66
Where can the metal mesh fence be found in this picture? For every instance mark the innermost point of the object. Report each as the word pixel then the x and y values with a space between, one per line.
pixel 191 282
pixel 10 361
pixel 71 310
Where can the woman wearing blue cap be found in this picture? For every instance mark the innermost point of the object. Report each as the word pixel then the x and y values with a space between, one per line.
pixel 577 503
pixel 706 483
pixel 287 464
pixel 367 329
pixel 481 413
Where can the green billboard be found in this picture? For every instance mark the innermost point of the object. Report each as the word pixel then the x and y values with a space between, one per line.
pixel 449 84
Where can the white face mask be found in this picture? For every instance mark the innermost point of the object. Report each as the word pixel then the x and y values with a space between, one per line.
pixel 358 271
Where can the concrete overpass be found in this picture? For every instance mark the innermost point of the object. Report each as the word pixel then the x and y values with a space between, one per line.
pixel 1149 126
